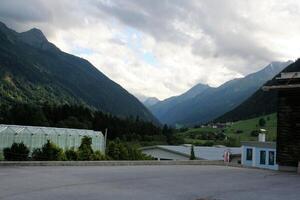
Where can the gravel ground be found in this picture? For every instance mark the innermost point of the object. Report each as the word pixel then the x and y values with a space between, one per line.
pixel 146 183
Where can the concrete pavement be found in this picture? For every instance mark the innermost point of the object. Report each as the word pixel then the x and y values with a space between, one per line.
pixel 146 183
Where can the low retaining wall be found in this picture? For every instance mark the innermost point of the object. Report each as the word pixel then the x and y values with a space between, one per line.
pixel 114 163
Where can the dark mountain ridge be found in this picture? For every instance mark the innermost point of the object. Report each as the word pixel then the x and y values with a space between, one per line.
pixel 260 103
pixel 161 108
pixel 33 70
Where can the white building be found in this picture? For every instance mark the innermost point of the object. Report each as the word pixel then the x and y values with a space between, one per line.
pixel 259 153
pixel 170 152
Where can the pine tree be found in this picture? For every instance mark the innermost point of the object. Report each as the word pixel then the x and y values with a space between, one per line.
pixel 85 151
pixel 262 122
pixel 192 157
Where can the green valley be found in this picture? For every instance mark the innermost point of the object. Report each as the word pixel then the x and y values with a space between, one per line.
pixel 231 134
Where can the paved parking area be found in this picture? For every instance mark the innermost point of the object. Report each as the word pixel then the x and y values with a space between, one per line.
pixel 146 183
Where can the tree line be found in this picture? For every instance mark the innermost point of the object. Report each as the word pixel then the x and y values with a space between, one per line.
pixel 82 117
pixel 116 150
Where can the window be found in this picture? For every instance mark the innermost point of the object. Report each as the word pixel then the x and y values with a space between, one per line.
pixel 262 157
pixel 271 157
pixel 249 154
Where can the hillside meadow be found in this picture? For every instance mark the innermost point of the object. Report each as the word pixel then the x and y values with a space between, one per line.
pixel 233 133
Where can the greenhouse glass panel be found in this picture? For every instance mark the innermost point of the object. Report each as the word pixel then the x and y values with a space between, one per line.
pixel 35 137
pixel 26 137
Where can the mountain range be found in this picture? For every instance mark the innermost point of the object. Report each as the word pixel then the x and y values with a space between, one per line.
pixel 35 71
pixel 260 103
pixel 202 103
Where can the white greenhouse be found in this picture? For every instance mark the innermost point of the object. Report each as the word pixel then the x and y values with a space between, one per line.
pixel 35 137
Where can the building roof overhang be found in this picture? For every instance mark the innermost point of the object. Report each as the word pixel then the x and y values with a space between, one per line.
pixel 280 87
pixel 165 149
pixel 271 145
pixel 284 81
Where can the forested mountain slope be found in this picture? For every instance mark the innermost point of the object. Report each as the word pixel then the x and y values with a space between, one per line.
pixel 34 71
pixel 260 103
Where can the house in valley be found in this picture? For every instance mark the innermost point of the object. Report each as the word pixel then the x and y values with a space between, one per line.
pixel 183 152
pixel 260 154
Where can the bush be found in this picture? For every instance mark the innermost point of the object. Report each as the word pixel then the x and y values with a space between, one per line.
pixel 37 154
pixel 97 155
pixel 176 140
pixel 262 122
pixel 17 151
pixel 184 129
pixel 232 142
pixel 48 152
pixel 135 154
pixel 1 156
pixel 85 151
pixel 254 133
pixel 208 143
pixel 113 150
pixel 71 154
pixel 116 150
pixel 220 136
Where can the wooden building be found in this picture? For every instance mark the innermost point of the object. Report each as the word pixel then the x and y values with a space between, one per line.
pixel 288 114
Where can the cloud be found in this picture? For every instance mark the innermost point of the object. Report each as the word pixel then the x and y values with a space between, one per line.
pixel 22 11
pixel 162 48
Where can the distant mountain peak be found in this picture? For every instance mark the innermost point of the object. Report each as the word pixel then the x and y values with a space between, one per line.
pixel 202 103
pixel 275 67
pixel 152 98
pixel 150 101
pixel 195 90
pixel 200 86
pixel 37 34
pixel 269 71
pixel 261 102
pixel 36 38
pixel 33 37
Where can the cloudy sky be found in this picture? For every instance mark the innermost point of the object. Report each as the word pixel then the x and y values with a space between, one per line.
pixel 163 47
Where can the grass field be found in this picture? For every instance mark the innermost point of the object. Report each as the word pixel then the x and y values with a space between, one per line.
pixel 237 131
pixel 252 124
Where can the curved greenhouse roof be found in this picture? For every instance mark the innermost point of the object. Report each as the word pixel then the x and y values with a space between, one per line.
pixel 35 136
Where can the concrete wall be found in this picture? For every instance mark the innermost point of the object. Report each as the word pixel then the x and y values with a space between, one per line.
pixel 256 158
pixel 161 154
pixel 114 163
pixel 235 159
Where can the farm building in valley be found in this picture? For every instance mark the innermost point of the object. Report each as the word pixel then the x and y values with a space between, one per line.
pixel 183 152
pixel 35 137
pixel 288 113
pixel 259 154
